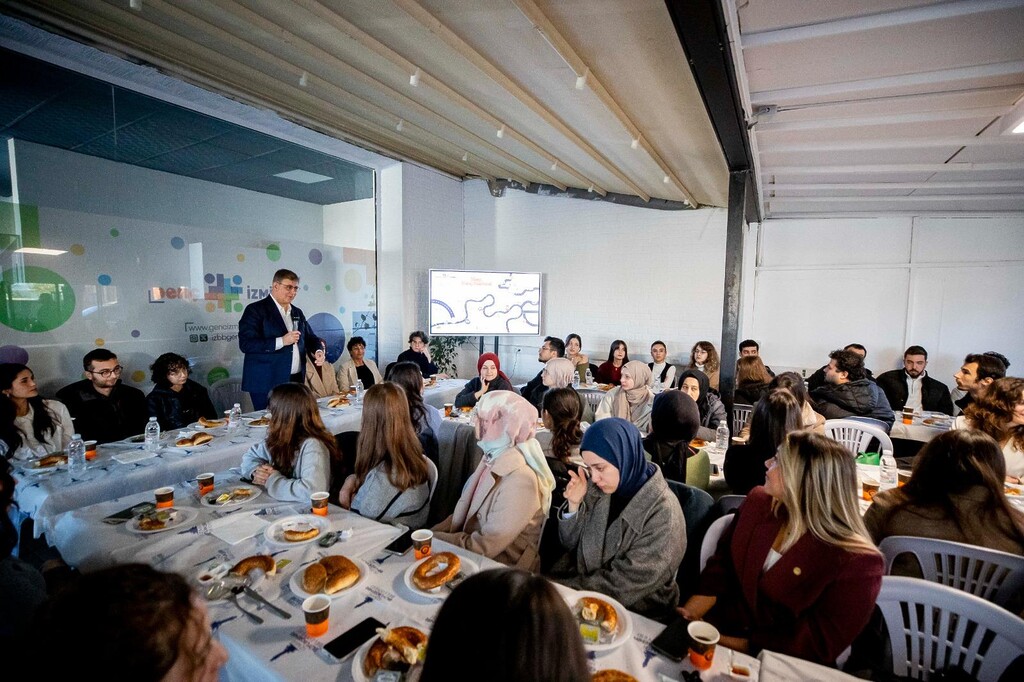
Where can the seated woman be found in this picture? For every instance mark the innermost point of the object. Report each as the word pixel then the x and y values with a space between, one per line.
pixel 999 412
pixel 295 459
pixel 512 624
pixel 490 378
pixel 34 426
pixel 662 370
pixel 632 399
pixel 557 373
pixel 795 572
pixel 176 401
pixel 954 493
pixel 574 353
pixel 675 421
pixel 358 367
pixel 419 352
pixel 425 418
pixel 774 416
pixel 320 378
pixel 752 380
pixel 563 412
pixel 695 384
pixel 624 530
pixel 506 499
pixel 704 358
pixel 794 383
pixel 390 483
pixel 609 371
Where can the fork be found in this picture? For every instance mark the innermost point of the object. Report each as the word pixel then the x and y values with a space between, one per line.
pixel 234 600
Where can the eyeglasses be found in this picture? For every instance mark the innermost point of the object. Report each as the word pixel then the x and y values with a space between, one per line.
pixel 287 287
pixel 106 372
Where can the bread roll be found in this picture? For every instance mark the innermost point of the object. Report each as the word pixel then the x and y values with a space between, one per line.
pixel 395 649
pixel 594 610
pixel 612 676
pixel 249 564
pixel 201 438
pixel 428 577
pixel 314 578
pixel 300 535
pixel 183 442
pixel 341 573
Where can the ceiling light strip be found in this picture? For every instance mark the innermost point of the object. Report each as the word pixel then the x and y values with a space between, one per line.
pixel 956 167
pixel 889 143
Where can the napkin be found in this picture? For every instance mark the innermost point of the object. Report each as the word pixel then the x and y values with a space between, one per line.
pixel 234 528
pixel 134 456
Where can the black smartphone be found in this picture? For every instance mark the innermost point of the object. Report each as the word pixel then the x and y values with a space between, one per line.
pixel 353 638
pixel 673 641
pixel 401 544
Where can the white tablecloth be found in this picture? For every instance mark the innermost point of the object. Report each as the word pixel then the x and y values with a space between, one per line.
pixel 279 649
pixel 45 496
pixel 918 430
pixel 444 391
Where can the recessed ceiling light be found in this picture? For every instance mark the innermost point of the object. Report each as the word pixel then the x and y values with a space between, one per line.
pixel 40 252
pixel 305 177
pixel 1019 128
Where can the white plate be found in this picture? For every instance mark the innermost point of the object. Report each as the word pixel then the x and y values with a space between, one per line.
pixel 181 517
pixel 467 568
pixel 625 631
pixel 360 655
pixel 31 466
pixel 221 489
pixel 295 582
pixel 248 421
pixel 275 531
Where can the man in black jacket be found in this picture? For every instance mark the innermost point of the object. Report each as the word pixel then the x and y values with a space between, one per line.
pixel 534 390
pixel 818 378
pixel 847 392
pixel 912 387
pixel 104 409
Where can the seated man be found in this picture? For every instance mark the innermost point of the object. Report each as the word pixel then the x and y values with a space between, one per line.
pixel 847 392
pixel 750 347
pixel 553 348
pixel 978 371
pixel 818 378
pixel 104 409
pixel 912 387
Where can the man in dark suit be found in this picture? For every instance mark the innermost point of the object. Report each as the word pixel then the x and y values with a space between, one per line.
pixel 275 337
pixel 912 387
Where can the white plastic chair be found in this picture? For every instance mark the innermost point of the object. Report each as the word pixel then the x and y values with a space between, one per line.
pixel 711 538
pixel 987 573
pixel 855 435
pixel 593 398
pixel 933 627
pixel 431 478
pixel 226 392
pixel 740 416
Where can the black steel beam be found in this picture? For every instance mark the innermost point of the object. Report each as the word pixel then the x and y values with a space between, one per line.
pixel 734 233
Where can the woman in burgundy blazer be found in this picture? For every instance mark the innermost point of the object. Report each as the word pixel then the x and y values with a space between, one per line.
pixel 796 571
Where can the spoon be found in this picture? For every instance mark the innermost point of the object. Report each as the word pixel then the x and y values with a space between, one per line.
pixel 219 590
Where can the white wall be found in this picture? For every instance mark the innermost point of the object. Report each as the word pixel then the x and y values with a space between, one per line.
pixel 610 271
pixel 952 285
pixel 351 223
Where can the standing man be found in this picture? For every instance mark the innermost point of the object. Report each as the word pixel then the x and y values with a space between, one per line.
pixel 275 337
pixel 552 348
pixel 104 409
pixel 912 387
pixel 847 392
pixel 749 347
pixel 977 373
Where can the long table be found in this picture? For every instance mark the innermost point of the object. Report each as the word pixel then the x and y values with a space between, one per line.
pixel 279 649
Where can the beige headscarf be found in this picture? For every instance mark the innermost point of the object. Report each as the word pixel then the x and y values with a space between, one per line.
pixel 630 404
pixel 559 372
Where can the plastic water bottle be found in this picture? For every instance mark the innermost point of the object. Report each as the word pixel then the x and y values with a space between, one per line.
pixel 76 454
pixel 359 390
pixel 152 435
pixel 575 379
pixel 235 416
pixel 888 475
pixel 722 437
pixel 590 378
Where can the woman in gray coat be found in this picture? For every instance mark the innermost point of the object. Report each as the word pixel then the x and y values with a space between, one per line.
pixel 624 530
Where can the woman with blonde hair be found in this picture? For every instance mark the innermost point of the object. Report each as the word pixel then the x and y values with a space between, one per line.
pixel 503 505
pixel 999 412
pixel 796 571
pixel 632 399
pixel 704 357
pixel 391 480
pixel 295 459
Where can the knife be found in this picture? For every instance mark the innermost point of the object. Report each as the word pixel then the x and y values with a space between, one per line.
pixel 259 597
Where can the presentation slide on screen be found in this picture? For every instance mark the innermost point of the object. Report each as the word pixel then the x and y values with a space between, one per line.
pixel 475 303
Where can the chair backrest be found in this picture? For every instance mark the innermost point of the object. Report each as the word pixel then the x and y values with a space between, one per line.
pixel 740 416
pixel 593 398
pixel 698 470
pixel 870 421
pixel 727 504
pixel 387 370
pixel 856 435
pixel 431 477
pixel 711 538
pixel 995 576
pixel 933 627
pixel 458 456
pixel 226 392
pixel 696 505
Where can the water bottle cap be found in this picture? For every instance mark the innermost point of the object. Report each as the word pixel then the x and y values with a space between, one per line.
pixel 77 436
pixel 152 419
pixel 238 405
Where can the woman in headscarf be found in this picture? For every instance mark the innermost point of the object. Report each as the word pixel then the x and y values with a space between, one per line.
pixel 503 505
pixel 632 399
pixel 491 378
pixel 675 421
pixel 624 529
pixel 695 384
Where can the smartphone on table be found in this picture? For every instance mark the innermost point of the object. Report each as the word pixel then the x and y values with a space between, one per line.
pixel 353 638
pixel 401 544
pixel 673 642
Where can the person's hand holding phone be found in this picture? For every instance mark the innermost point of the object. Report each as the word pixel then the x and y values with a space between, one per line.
pixel 576 489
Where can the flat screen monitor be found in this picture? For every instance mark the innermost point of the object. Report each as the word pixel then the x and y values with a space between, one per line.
pixel 482 303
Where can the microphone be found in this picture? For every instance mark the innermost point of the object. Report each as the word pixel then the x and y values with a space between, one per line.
pixel 295 321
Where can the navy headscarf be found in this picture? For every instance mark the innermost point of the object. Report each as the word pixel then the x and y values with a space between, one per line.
pixel 618 442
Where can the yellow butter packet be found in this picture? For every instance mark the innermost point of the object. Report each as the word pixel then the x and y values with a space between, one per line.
pixel 591 633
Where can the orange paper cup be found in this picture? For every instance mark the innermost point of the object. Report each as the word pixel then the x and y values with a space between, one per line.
pixel 164 497
pixel 90 450
pixel 318 503
pixel 703 640
pixel 317 610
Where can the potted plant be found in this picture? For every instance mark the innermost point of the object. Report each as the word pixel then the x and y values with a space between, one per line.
pixel 443 352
